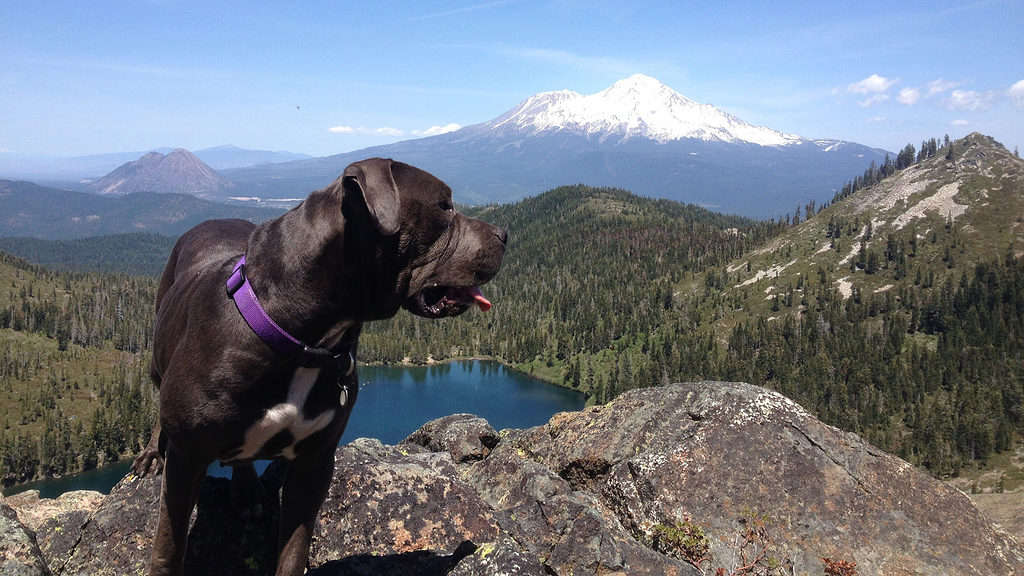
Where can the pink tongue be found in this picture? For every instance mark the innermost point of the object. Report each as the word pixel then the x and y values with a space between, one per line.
pixel 483 303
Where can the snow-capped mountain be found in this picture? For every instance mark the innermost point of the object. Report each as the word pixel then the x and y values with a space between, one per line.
pixel 636 107
pixel 637 134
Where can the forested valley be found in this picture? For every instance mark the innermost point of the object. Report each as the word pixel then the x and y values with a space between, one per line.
pixel 604 291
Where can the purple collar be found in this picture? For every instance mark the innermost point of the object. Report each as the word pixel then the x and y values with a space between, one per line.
pixel 240 290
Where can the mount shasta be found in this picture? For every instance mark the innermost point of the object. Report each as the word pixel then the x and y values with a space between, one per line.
pixel 637 134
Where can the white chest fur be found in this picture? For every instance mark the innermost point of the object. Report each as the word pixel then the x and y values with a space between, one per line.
pixel 286 416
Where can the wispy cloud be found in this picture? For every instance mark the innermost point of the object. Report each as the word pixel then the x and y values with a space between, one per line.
pixel 382 131
pixel 876 119
pixel 872 85
pixel 435 130
pixel 873 99
pixel 1016 93
pixel 129 68
pixel 570 60
pixel 959 122
pixel 909 96
pixel 970 100
pixel 939 86
pixel 461 10
pixel 394 132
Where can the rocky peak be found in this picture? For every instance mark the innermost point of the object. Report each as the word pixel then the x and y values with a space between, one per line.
pixel 744 472
pixel 178 172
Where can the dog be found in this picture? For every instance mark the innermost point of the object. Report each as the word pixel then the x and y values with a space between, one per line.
pixel 257 328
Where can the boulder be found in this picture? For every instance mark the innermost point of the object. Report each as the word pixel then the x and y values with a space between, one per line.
pixel 757 472
pixel 466 437
pixel 57 521
pixel 19 553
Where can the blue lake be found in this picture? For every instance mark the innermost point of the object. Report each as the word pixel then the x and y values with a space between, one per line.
pixel 393 402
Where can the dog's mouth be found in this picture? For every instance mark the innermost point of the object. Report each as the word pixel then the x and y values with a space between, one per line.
pixel 442 301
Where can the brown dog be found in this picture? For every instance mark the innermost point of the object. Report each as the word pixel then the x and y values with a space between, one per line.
pixel 236 380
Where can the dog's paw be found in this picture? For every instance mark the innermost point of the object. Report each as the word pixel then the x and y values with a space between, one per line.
pixel 149 462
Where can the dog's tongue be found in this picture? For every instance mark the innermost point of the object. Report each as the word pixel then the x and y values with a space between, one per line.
pixel 483 303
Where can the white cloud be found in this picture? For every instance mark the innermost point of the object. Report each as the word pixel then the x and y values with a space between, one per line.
pixel 939 86
pixel 876 119
pixel 383 131
pixel 971 100
pixel 873 99
pixel 909 96
pixel 1017 93
pixel 959 122
pixel 435 130
pixel 872 84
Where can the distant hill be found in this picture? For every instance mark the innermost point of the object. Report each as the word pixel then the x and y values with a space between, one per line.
pixel 638 134
pixel 132 254
pixel 73 168
pixel 179 172
pixel 228 156
pixel 29 210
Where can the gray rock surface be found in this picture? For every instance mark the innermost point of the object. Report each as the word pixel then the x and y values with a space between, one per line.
pixel 607 490
pixel 19 553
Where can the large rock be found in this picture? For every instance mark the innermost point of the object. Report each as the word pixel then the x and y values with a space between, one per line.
pixel 717 474
pixel 398 509
pixel 19 553
pixel 731 456
pixel 57 522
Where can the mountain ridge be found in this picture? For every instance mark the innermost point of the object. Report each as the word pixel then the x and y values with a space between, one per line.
pixel 27 209
pixel 74 168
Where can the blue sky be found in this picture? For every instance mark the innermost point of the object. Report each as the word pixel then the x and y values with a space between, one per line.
pixel 92 77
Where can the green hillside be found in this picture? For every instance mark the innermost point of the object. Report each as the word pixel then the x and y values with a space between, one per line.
pixel 133 254
pixel 589 272
pixel 73 360
pixel 897 312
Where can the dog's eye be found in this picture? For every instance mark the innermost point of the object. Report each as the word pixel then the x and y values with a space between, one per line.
pixel 446 205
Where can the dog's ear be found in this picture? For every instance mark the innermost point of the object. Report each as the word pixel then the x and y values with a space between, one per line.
pixel 373 179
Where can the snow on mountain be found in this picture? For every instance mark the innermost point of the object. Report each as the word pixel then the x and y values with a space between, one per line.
pixel 638 106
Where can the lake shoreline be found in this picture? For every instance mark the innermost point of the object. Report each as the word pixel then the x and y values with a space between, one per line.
pixel 407 387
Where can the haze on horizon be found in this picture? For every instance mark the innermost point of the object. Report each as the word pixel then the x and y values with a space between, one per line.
pixel 320 79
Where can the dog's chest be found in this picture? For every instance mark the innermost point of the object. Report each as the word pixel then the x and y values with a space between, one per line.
pixel 284 425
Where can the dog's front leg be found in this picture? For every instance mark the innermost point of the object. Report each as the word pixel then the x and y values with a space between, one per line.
pixel 305 488
pixel 180 489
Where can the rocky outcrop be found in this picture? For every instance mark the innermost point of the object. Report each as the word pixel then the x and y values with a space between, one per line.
pixel 19 553
pixel 716 474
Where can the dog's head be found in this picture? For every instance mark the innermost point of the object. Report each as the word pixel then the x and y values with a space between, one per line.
pixel 434 258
